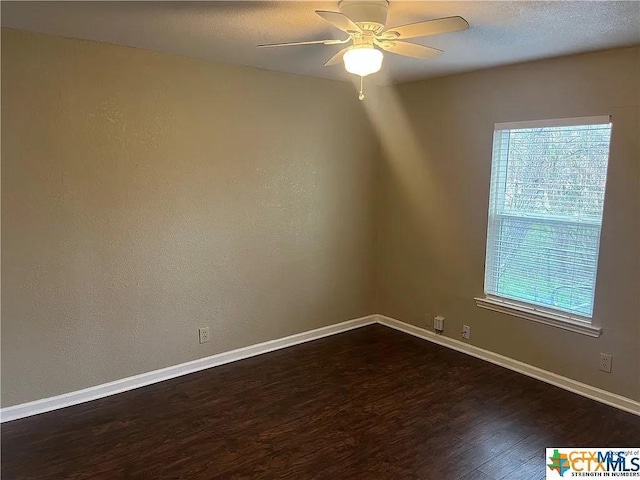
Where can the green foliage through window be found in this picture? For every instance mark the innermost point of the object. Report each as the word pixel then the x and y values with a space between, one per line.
pixel 545 214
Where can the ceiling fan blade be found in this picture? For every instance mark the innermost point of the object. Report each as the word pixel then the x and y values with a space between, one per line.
pixel 336 59
pixel 430 27
pixel 338 20
pixel 409 49
pixel 310 42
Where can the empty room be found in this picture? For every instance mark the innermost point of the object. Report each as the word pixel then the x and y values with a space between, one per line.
pixel 357 239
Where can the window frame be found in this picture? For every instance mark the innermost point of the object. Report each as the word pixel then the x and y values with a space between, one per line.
pixel 496 216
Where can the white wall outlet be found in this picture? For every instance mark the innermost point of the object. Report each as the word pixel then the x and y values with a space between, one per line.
pixel 203 334
pixel 605 362
pixel 466 332
pixel 438 324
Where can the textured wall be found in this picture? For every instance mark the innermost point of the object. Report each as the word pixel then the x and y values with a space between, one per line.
pixel 144 196
pixel 434 199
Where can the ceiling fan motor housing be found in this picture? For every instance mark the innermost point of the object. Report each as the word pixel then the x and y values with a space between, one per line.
pixel 369 15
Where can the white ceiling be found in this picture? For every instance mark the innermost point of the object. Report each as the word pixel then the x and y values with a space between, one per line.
pixel 500 32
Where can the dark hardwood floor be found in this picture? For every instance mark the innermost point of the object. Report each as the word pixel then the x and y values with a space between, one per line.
pixel 372 403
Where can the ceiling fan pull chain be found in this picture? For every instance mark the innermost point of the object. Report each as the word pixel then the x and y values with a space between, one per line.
pixel 361 95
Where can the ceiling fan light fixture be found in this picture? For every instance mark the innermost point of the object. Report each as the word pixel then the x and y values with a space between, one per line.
pixel 362 60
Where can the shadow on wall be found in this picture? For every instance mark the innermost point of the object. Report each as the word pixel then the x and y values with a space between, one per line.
pixel 410 164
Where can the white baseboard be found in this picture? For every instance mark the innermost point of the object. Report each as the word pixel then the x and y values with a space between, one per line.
pixel 608 398
pixel 99 391
pixel 106 389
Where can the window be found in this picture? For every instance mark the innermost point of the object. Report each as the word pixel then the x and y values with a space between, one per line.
pixel 545 215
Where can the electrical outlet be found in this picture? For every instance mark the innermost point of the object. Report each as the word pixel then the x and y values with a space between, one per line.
pixel 203 334
pixel 605 362
pixel 466 332
pixel 438 324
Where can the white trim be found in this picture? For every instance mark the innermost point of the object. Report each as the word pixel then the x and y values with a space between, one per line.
pixel 540 316
pixel 129 383
pixel 100 391
pixel 556 122
pixel 594 393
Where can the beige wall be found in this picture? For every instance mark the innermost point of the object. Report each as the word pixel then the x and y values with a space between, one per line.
pixel 434 194
pixel 145 195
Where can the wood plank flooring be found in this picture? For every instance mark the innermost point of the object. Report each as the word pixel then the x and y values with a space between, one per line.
pixel 371 403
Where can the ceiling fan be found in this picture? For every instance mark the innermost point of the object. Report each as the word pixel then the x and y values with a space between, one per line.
pixel 364 21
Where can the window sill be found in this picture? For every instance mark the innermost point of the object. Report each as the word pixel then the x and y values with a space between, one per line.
pixel 547 318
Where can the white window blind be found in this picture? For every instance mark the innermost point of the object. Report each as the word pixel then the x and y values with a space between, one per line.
pixel 545 212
